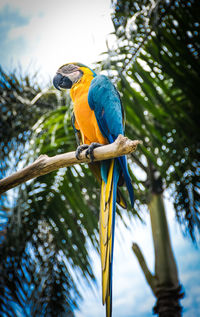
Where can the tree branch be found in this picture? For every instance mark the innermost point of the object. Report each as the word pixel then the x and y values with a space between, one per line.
pixel 149 277
pixel 44 164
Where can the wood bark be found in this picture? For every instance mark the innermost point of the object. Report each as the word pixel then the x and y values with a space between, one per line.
pixel 165 281
pixel 45 164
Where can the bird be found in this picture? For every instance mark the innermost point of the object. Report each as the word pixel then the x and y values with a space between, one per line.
pixel 98 119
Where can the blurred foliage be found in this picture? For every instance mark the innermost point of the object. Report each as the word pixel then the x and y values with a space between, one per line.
pixel 157 63
pixel 34 278
pixel 43 236
pixel 18 114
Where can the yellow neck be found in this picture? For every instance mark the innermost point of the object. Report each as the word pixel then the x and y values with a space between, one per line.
pixel 82 85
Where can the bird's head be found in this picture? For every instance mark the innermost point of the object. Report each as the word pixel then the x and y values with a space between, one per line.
pixel 69 74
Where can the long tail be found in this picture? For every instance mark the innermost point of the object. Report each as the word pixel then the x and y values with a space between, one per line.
pixel 107 227
pixel 123 163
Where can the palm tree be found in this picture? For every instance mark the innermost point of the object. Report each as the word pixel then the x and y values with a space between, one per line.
pixel 43 236
pixel 156 60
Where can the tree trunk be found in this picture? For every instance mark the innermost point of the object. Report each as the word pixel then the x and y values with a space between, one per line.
pixel 165 282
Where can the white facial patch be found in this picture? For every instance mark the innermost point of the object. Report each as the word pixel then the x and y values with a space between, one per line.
pixel 75 76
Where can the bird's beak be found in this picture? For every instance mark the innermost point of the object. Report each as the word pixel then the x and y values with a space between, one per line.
pixel 56 80
pixel 60 81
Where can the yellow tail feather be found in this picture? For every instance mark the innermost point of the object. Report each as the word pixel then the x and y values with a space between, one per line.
pixel 105 228
pixel 108 306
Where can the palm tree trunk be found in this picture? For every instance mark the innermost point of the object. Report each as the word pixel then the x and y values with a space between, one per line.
pixel 165 282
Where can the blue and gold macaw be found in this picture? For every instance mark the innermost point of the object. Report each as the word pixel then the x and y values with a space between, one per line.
pixel 98 120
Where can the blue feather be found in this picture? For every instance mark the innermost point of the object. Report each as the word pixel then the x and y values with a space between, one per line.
pixel 104 170
pixel 123 163
pixel 116 173
pixel 124 166
pixel 104 99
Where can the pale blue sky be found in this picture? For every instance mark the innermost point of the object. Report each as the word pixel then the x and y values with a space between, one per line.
pixel 43 35
pixel 132 296
pixel 46 34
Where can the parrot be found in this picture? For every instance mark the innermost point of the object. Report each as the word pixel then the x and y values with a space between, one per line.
pixel 98 119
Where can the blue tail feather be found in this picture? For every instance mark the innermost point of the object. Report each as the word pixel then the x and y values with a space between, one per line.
pixel 122 160
pixel 104 170
pixel 123 163
pixel 115 181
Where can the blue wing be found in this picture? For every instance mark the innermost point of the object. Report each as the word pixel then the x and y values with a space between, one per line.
pixel 104 100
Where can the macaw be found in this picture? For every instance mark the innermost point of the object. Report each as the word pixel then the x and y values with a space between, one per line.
pixel 97 120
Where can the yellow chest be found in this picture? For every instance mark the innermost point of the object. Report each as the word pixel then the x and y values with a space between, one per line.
pixel 85 117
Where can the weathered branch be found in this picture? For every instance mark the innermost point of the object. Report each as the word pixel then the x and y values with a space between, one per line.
pixel 44 164
pixel 149 277
pixel 164 282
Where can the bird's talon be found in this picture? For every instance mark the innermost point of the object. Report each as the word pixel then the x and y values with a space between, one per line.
pixel 80 149
pixel 89 153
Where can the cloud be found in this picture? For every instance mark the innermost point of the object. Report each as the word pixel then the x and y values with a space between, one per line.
pixel 131 294
pixel 9 20
pixel 59 32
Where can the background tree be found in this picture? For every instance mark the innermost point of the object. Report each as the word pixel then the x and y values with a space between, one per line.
pixel 43 237
pixel 156 59
pixel 160 91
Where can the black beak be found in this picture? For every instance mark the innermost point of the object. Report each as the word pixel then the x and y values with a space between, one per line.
pixel 56 81
pixel 60 81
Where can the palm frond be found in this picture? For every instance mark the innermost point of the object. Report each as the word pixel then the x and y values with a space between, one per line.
pixel 161 94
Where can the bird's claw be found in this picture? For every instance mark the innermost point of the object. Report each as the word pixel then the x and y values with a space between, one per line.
pixel 90 151
pixel 80 149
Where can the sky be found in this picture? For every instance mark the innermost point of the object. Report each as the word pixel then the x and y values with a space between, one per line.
pixel 132 297
pixel 42 35
pixel 46 34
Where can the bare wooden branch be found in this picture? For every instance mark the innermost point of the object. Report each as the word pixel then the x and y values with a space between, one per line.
pixel 44 164
pixel 149 277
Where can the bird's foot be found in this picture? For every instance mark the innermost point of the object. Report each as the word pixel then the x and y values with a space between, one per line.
pixel 80 149
pixel 89 153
